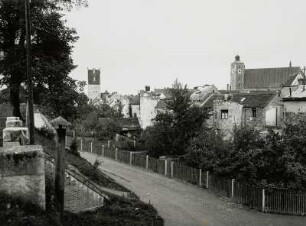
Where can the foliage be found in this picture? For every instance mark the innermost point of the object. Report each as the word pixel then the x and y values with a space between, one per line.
pixel 44 131
pixel 278 160
pixel 74 148
pixel 51 47
pixel 173 129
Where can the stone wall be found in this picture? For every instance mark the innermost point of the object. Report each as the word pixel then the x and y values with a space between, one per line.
pixel 234 116
pixel 135 111
pixel 78 195
pixel 148 112
pixel 22 173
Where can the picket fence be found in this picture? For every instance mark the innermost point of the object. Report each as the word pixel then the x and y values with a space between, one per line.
pixel 261 199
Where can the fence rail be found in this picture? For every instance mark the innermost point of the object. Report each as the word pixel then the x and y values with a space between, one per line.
pixel 272 201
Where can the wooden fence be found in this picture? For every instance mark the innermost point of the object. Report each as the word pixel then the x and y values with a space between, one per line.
pixel 272 201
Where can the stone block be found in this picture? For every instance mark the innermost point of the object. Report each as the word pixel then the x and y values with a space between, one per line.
pixel 13 123
pixel 12 118
pixel 22 173
pixel 16 134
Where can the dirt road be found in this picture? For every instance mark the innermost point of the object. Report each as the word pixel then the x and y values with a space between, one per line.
pixel 183 204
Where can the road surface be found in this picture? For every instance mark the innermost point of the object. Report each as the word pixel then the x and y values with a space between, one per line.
pixel 183 204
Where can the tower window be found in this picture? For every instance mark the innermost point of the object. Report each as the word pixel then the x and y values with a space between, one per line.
pixel 239 71
pixel 224 114
pixel 254 113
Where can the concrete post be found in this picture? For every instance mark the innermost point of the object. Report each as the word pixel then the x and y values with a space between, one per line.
pixel 233 187
pixel 171 168
pixel 147 162
pixel 131 157
pixel 263 200
pixel 81 144
pixel 73 134
pixel 103 150
pixel 116 154
pixel 200 177
pixel 166 164
pixel 207 176
pixel 66 141
pixel 90 147
pixel 108 143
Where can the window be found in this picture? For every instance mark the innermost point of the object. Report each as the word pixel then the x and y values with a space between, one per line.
pixel 254 112
pixel 224 114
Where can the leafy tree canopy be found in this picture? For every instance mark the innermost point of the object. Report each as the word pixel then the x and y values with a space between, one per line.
pixel 52 43
pixel 173 129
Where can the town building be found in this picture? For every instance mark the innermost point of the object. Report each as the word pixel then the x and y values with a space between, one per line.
pixel 258 109
pixel 260 78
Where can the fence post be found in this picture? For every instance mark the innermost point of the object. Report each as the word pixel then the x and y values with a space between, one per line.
pixel 233 183
pixel 263 200
pixel 108 143
pixel 116 154
pixel 171 167
pixel 134 143
pixel 131 157
pixel 200 177
pixel 90 147
pixel 81 144
pixel 207 176
pixel 147 162
pixel 166 164
pixel 103 150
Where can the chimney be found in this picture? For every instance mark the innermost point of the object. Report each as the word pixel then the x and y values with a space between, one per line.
pixel 227 86
pixel 237 58
pixel 290 64
pixel 147 88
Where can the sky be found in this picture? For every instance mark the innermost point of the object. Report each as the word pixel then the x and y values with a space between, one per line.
pixel 153 42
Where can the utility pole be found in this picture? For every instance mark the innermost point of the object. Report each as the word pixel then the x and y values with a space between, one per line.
pixel 30 118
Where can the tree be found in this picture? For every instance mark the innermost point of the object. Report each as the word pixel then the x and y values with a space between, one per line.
pixel 173 129
pixel 51 47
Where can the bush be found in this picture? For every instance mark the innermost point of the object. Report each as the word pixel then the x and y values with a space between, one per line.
pixel 74 148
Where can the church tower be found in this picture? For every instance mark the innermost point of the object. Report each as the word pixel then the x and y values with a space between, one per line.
pixel 94 89
pixel 237 74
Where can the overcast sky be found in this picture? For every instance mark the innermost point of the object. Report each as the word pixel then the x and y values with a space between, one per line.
pixel 153 42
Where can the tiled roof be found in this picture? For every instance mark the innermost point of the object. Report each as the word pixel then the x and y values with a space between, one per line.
pixel 253 100
pixel 268 77
pixel 128 123
pixel 210 102
pixel 135 100
pixel 161 105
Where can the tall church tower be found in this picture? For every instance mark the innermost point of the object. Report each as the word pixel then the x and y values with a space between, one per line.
pixel 237 74
pixel 94 86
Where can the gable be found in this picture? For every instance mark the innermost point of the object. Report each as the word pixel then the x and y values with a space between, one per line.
pixel 268 78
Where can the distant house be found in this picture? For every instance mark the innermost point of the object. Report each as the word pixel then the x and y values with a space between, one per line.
pixel 135 106
pixel 148 107
pixel 129 126
pixel 294 98
pixel 259 109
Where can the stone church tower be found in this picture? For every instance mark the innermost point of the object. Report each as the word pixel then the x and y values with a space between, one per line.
pixel 237 74
pixel 94 85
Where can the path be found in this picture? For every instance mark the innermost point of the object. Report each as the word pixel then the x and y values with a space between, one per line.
pixel 183 204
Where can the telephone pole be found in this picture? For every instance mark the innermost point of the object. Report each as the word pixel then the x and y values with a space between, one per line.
pixel 30 118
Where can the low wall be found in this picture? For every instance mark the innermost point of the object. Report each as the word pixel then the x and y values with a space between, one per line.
pixel 22 173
